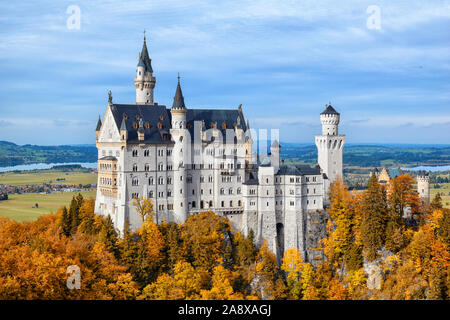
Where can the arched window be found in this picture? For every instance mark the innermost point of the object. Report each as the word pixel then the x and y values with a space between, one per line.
pixel 147 167
pixel 135 167
pixel 135 181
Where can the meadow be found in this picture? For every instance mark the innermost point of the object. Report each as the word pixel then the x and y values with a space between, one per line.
pixel 444 190
pixel 47 176
pixel 19 207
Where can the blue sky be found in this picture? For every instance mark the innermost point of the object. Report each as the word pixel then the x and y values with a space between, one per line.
pixel 282 60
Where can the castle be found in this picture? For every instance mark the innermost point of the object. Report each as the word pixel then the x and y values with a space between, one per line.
pixel 422 179
pixel 193 160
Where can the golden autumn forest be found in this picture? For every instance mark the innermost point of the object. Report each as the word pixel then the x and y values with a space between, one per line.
pixel 371 252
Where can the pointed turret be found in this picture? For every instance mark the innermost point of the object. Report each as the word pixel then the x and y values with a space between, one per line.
pixel 144 80
pixel 178 99
pixel 99 124
pixel 123 129
pixel 144 58
pixel 97 129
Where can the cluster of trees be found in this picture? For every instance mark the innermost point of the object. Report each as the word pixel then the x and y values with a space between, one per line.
pixel 204 258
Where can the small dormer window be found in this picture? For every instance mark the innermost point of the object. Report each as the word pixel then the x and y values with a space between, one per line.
pixel 138 117
pixel 135 125
pixel 189 126
pixel 213 125
pixel 147 125
pixel 125 117
pixel 224 125
pixel 159 125
pixel 161 118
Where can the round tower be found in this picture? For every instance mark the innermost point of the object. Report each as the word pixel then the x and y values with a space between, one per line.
pixel 144 81
pixel 330 121
pixel 423 186
pixel 180 152
pixel 330 144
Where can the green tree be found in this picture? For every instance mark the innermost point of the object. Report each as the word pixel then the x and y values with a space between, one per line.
pixel 373 224
pixel 66 223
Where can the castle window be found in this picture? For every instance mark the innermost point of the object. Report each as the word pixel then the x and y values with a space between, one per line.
pixel 150 181
pixel 160 167
pixel 223 204
pixel 222 191
pixel 231 203
pixel 147 167
pixel 193 192
pixel 135 168
pixel 170 206
pixel 160 180
pixel 134 153
pixel 291 203
pixel 210 204
pixel 202 204
pixel 193 204
pixel 239 203
pixel 169 193
pixel 189 179
pixel 135 182
pixel 238 190
pixel 150 194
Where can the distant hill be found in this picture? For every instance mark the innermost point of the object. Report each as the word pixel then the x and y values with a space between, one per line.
pixel 374 155
pixel 12 154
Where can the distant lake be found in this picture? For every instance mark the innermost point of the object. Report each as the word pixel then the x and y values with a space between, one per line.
pixel 37 166
pixel 428 168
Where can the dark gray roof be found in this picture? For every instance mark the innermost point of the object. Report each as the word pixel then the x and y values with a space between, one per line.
pixel 178 99
pixel 329 110
pixel 151 114
pixel 217 117
pixel 155 114
pixel 290 170
pixel 395 172
pixel 99 124
pixel 108 158
pixel 144 58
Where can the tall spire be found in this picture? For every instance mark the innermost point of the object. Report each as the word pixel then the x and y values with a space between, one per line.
pixel 99 124
pixel 178 100
pixel 144 58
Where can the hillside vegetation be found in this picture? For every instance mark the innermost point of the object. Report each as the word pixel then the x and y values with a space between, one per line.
pixel 12 154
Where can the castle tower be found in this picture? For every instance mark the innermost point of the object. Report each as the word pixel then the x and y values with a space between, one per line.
pixel 330 144
pixel 423 186
pixel 144 81
pixel 275 150
pixel 180 152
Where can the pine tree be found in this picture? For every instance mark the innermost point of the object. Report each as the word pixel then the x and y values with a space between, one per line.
pixel 373 224
pixel 66 223
pixel 437 202
pixel 108 235
pixel 74 212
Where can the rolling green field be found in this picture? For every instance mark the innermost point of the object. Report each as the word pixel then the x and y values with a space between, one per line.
pixel 47 176
pixel 444 190
pixel 19 207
